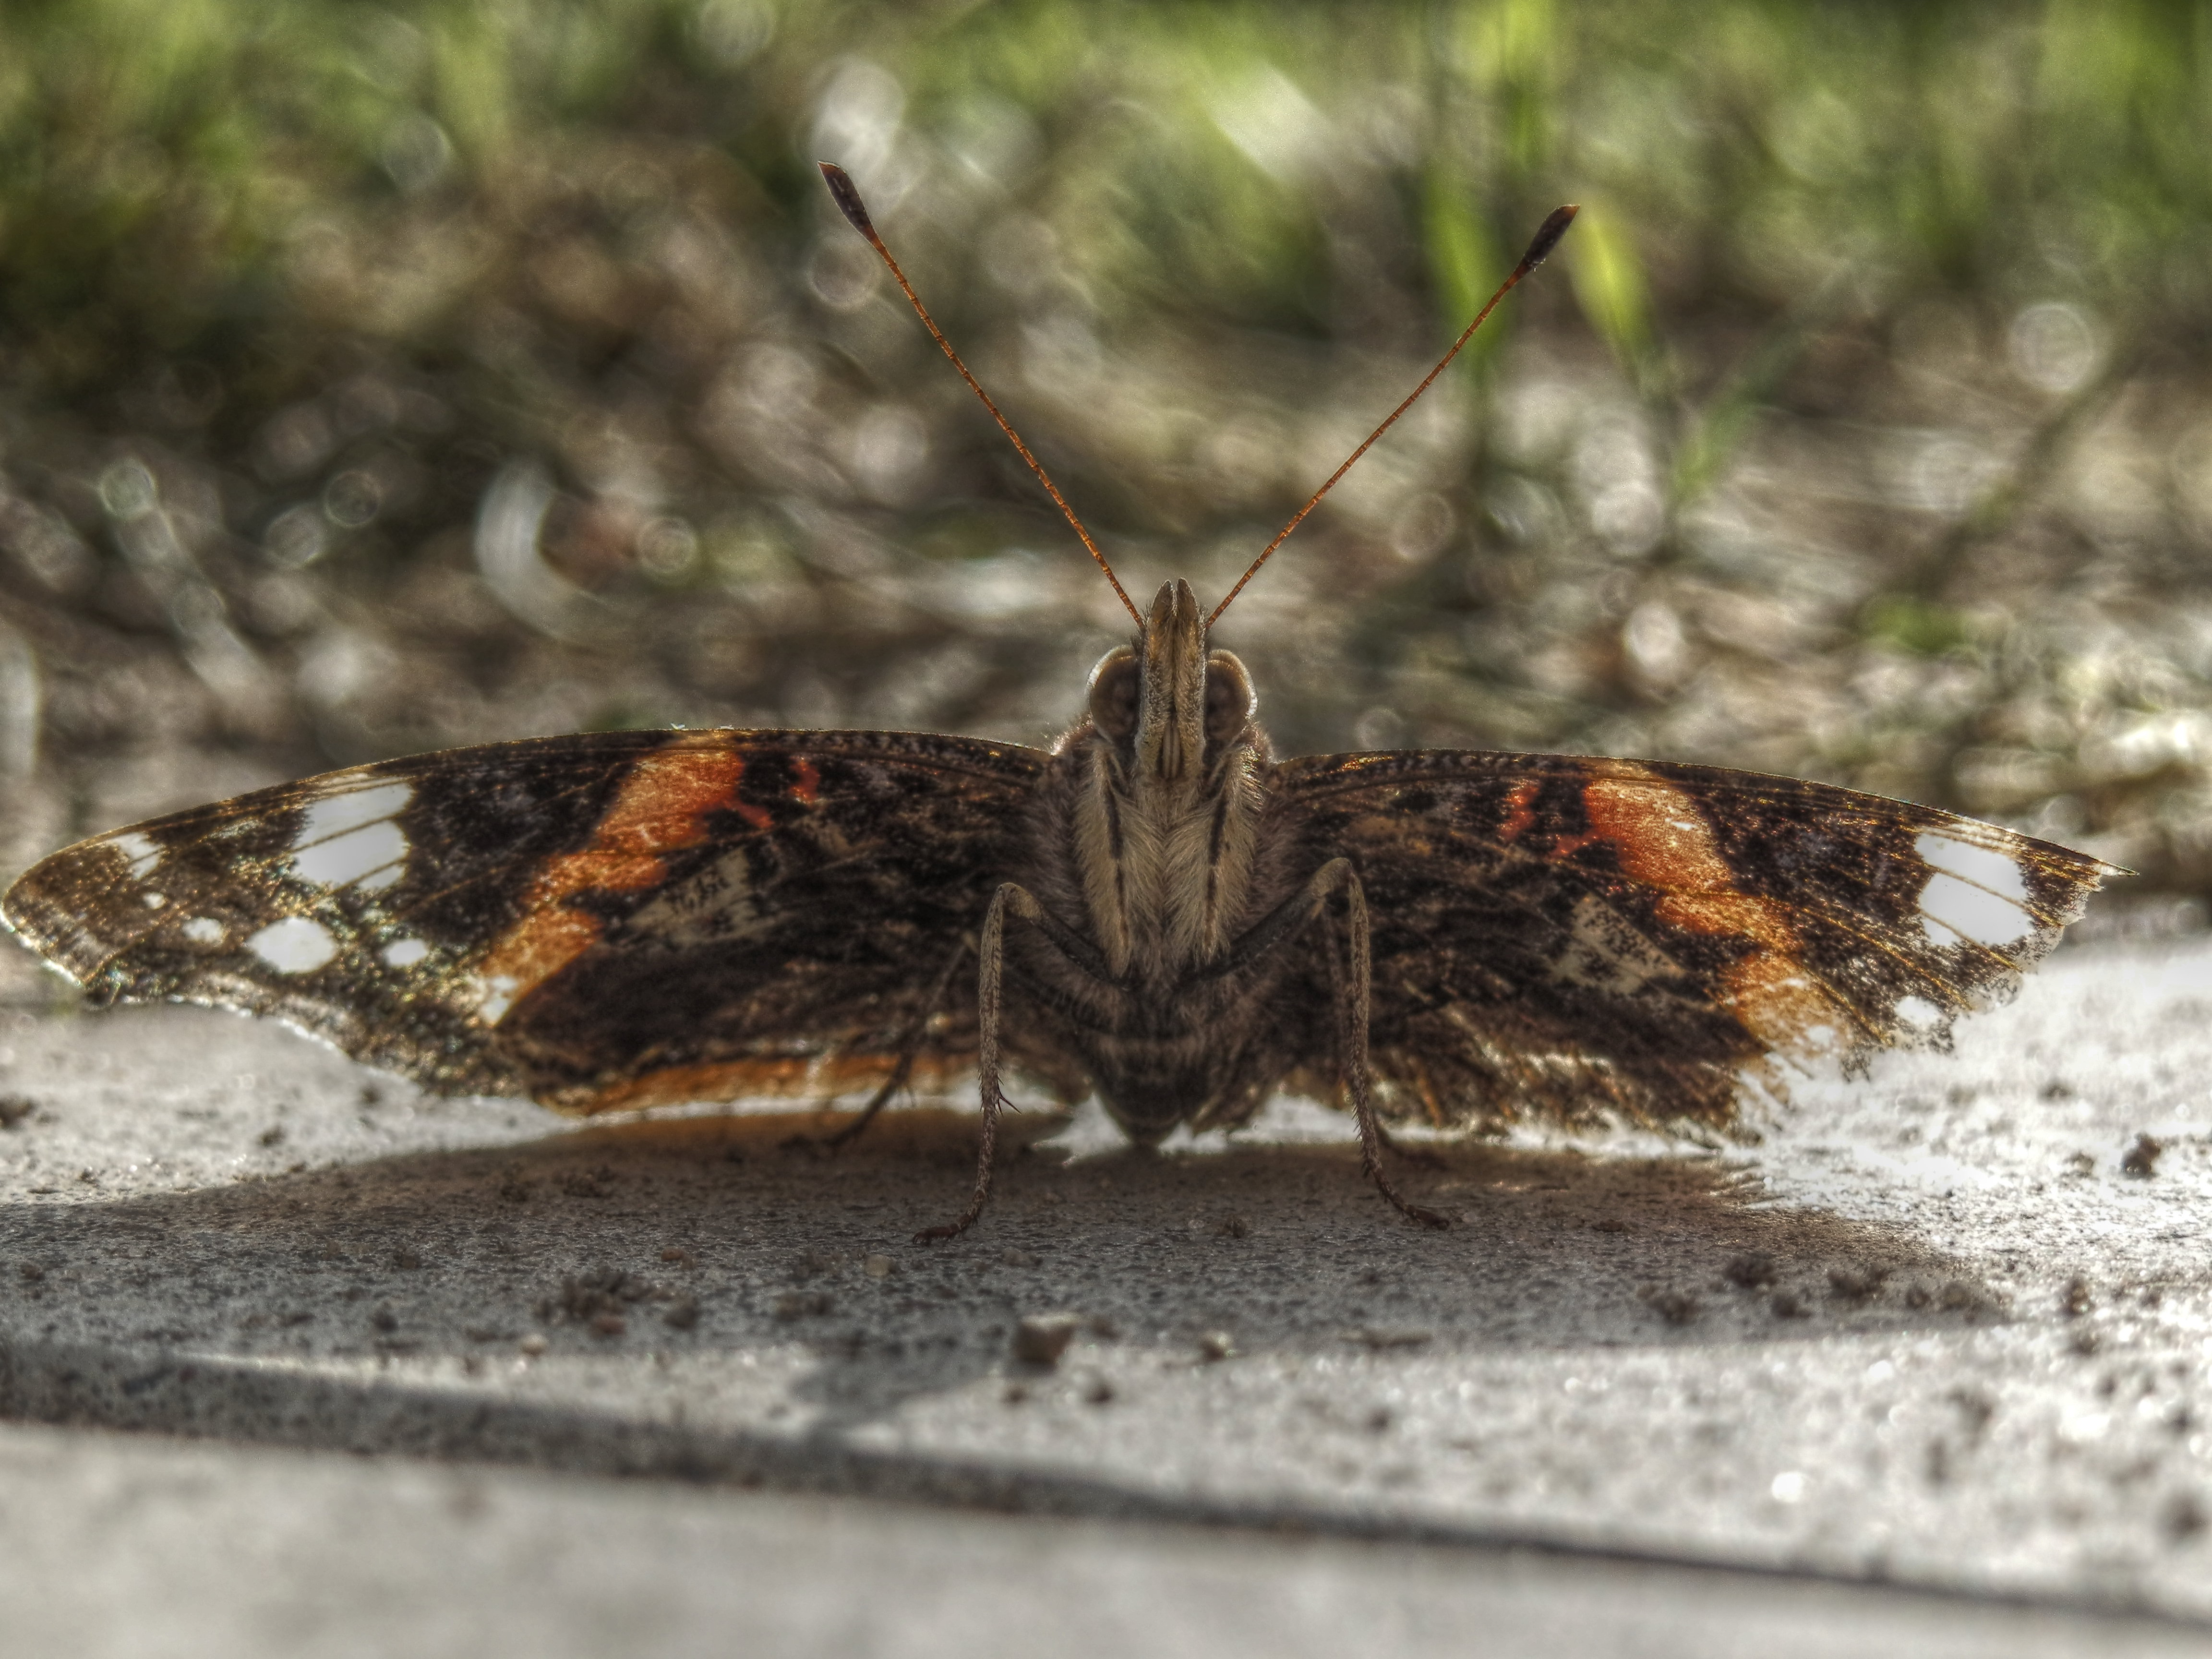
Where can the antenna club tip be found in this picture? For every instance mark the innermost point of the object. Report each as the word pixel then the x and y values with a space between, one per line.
pixel 1548 238
pixel 846 195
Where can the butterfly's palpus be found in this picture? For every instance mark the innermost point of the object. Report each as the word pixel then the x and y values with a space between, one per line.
pixel 1157 910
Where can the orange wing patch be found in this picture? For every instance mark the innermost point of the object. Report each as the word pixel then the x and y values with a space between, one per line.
pixel 1665 843
pixel 1520 799
pixel 746 1079
pixel 662 807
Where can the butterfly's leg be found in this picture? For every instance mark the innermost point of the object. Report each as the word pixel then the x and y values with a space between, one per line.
pixel 991 952
pixel 1350 994
pixel 909 1046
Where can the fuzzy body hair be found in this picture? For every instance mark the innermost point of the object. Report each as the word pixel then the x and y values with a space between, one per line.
pixel 1162 851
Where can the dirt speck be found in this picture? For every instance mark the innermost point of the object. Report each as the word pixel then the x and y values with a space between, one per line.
pixel 2141 1160
pixel 1380 1338
pixel 1676 1307
pixel 1041 1339
pixel 1857 1284
pixel 801 1304
pixel 2184 1518
pixel 1753 1270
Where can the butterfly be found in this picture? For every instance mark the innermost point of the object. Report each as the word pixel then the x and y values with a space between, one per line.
pixel 1157 910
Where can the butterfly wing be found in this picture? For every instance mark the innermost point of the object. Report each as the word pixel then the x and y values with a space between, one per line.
pixel 599 920
pixel 1584 938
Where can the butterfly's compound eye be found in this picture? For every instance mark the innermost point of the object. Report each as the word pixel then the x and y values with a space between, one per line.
pixel 1114 687
pixel 1231 703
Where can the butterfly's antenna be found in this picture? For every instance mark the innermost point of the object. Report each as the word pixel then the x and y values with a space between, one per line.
pixel 847 198
pixel 1547 239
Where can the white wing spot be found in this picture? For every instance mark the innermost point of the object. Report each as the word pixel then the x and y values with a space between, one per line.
pixel 142 853
pixel 1604 953
pixel 349 840
pixel 1984 866
pixel 496 996
pixel 154 901
pixel 294 946
pixel 1918 1012
pixel 1971 912
pixel 203 930
pixel 405 953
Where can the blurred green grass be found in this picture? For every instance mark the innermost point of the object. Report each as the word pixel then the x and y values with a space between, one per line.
pixel 162 158
pixel 329 274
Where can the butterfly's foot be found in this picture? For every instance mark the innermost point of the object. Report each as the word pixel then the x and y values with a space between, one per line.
pixel 1412 1211
pixel 961 1223
pixel 951 1229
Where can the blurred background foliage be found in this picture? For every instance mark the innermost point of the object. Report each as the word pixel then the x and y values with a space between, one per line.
pixel 379 377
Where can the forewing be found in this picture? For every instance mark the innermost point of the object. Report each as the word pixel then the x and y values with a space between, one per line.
pixel 1584 938
pixel 597 921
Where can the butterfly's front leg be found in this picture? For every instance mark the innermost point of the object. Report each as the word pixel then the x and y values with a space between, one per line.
pixel 1348 987
pixel 990 972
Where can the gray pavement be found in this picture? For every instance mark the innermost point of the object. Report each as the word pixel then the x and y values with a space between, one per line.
pixel 156 1549
pixel 1948 1328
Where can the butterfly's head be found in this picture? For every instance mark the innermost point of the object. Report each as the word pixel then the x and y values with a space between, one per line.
pixel 1173 706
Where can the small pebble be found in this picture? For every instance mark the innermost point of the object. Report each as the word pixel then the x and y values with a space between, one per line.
pixel 1041 1339
pixel 876 1266
pixel 1216 1346
pixel 799 1304
pixel 533 1345
pixel 1676 1307
pixel 1753 1270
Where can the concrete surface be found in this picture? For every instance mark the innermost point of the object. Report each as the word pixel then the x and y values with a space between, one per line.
pixel 1948 1327
pixel 163 1550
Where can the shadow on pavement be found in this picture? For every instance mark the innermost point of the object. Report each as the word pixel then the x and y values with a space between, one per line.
pixel 684 1238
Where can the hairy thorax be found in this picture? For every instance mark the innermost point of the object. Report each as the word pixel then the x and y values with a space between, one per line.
pixel 1163 861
